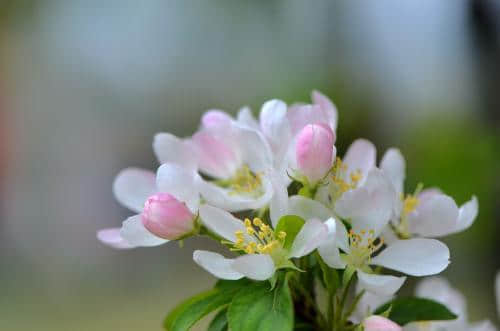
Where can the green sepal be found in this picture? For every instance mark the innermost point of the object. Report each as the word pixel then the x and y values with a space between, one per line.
pixel 291 224
pixel 219 322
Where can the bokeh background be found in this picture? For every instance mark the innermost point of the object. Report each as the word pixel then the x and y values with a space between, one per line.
pixel 85 84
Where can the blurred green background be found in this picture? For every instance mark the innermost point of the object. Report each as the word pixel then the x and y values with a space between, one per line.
pixel 84 86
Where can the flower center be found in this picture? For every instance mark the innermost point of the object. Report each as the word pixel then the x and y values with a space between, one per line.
pixel 341 182
pixel 362 246
pixel 266 241
pixel 410 203
pixel 244 182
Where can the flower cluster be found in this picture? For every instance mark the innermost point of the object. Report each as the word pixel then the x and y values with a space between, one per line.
pixel 291 212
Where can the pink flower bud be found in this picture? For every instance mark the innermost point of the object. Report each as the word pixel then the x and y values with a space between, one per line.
pixel 315 151
pixel 379 323
pixel 167 217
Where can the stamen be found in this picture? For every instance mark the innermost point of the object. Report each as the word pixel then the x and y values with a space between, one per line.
pixel 245 182
pixel 363 245
pixel 267 241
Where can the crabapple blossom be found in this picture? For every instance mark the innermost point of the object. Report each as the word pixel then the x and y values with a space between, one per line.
pixel 379 323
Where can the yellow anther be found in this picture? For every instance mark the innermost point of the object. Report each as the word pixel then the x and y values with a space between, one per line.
pixel 257 222
pixel 247 222
pixel 410 203
pixel 282 235
pixel 250 230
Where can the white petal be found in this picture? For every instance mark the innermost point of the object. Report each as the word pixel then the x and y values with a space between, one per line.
pixel 307 208
pixel 329 252
pixel 231 201
pixel 112 238
pixel 254 266
pixel 360 156
pixel 367 305
pixel 311 235
pixel 384 285
pixel 341 236
pixel 216 264
pixel 467 214
pixel 416 257
pixel 133 186
pixel 278 205
pixel 370 206
pixel 255 151
pixel 221 222
pixel 169 148
pixel 394 166
pixel 136 234
pixel 435 216
pixel 275 127
pixel 180 182
pixel 246 118
pixel 484 325
pixel 329 109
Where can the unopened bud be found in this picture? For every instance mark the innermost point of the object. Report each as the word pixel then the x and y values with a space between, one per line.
pixel 167 217
pixel 315 151
pixel 379 323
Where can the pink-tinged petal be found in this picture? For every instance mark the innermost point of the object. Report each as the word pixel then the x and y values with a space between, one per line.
pixel 216 264
pixel 329 110
pixel 231 201
pixel 311 235
pixel 133 186
pixel 134 232
pixel 221 222
pixel 435 216
pixel 169 148
pixel 360 157
pixel 394 166
pixel 379 323
pixel 370 206
pixel 246 118
pixel 314 151
pixel 467 214
pixel 384 285
pixel 218 156
pixel 416 257
pixel 254 266
pixel 179 182
pixel 167 217
pixel 112 238
pixel 215 119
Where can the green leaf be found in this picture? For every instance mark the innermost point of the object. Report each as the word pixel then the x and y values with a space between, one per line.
pixel 186 314
pixel 219 323
pixel 291 224
pixel 256 308
pixel 330 277
pixel 406 310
